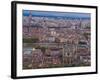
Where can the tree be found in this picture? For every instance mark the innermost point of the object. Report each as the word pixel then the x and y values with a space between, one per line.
pixel 43 49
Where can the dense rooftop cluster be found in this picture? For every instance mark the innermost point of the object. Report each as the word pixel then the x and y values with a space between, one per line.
pixel 57 42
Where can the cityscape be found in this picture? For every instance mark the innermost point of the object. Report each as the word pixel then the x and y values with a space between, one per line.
pixel 56 39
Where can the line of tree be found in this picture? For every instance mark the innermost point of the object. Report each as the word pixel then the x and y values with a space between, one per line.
pixel 30 40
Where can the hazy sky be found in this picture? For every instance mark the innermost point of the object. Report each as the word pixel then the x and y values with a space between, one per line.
pixel 56 14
